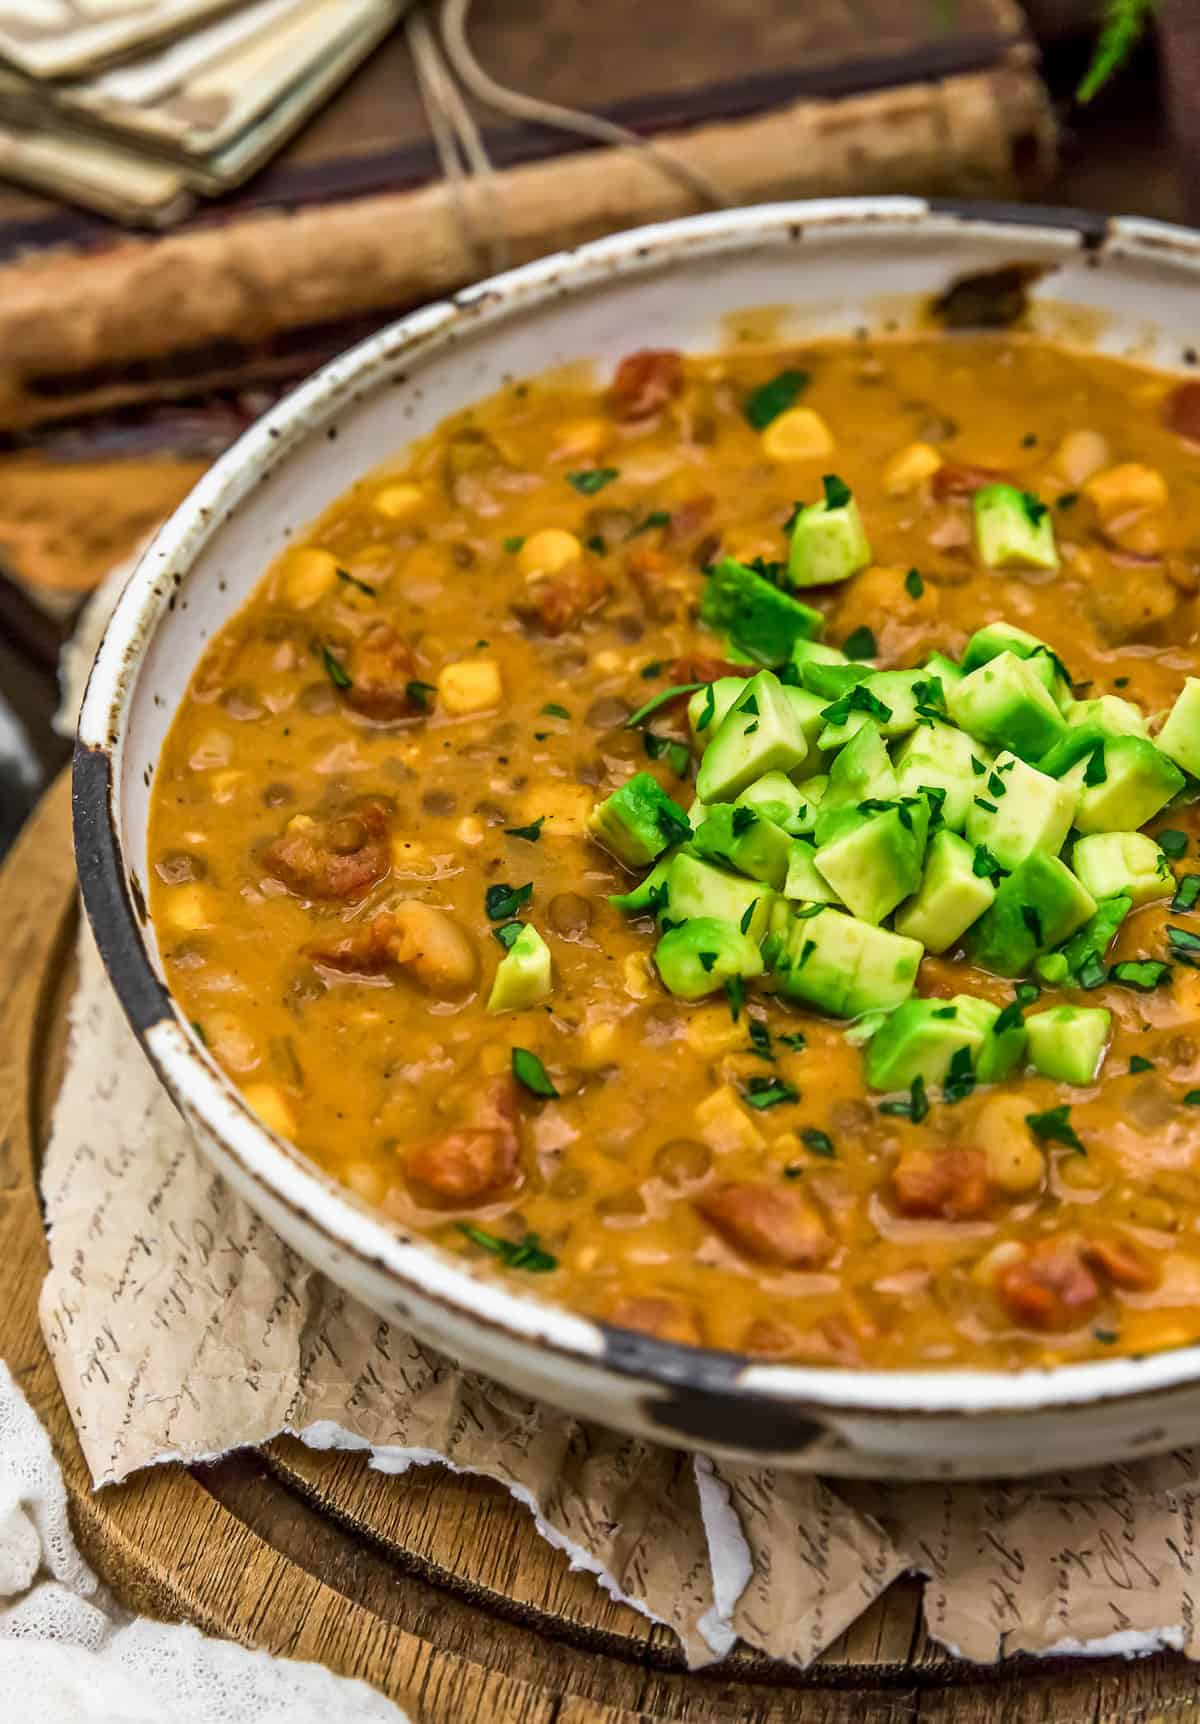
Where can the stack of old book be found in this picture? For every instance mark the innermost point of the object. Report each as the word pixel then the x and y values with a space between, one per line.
pixel 135 107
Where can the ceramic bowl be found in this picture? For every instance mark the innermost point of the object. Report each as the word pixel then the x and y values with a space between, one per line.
pixel 1123 287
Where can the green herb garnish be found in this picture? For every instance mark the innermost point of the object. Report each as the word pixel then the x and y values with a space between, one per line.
pixel 860 644
pixel 663 696
pixel 818 1142
pixel 592 479
pixel 1186 893
pixel 708 710
pixel 656 518
pixel 735 993
pixel 334 671
pixel 1143 974
pixel 502 902
pixel 748 915
pixel 514 1254
pixel 1054 1126
pixel 1034 508
pixel 915 1108
pixel 529 1071
pixel 1095 772
pixel 741 820
pixel 553 710
pixel 513 545
pixel 914 586
pixel 508 934
pixel 530 833
pixel 960 1079
pixel 837 492
pixel 765 1092
pixel 856 699
pixel 1172 842
pixel 1138 1064
pixel 771 399
pixel 353 581
pixel 418 693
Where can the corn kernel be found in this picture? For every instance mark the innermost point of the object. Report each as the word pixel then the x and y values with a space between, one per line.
pixel 582 437
pixel 365 1181
pixel 224 786
pixel 607 662
pixel 188 908
pixel 1129 486
pixel 724 1124
pixel 471 685
pixel 272 1107
pixel 565 805
pixel 797 435
pixel 597 1044
pixel 908 469
pixel 1079 455
pixel 470 830
pixel 547 552
pixel 398 501
pixel 711 1031
pixel 637 976
pixel 308 574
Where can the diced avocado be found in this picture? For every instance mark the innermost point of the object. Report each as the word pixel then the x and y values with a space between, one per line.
pixel 756 615
pixel 938 757
pixel 1005 703
pixel 523 974
pixel 648 894
pixel 760 733
pixel 990 641
pixel 1138 780
pixel 1180 735
pixel 950 898
pixel 832 681
pixel 876 864
pixel 1036 907
pixel 1078 742
pixel 829 541
pixel 808 710
pixel 700 957
pixel 1067 1042
pixel 1013 530
pixel 1128 864
pixel 1111 714
pixel 1080 962
pixel 639 821
pixel 894 690
pixel 945 669
pixel 817 652
pixel 1016 810
pixel 746 840
pixel 844 966
pixel 805 822
pixel 919 1040
pixel 775 797
pixel 861 772
pixel 698 888
pixel 1003 1048
pixel 804 883
pixel 704 719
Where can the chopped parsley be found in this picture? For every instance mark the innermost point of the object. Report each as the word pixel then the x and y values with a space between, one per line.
pixel 507 934
pixel 514 1254
pixel 1143 974
pixel 707 960
pixel 708 710
pixel 656 518
pixel 675 827
pixel 353 581
pixel 1027 993
pixel 1186 893
pixel 764 1092
pixel 996 785
pixel 1011 1018
pixel 1192 1098
pixel 529 1071
pixel 977 766
pixel 597 545
pixel 1068 499
pixel 735 993
pixel 678 754
pixel 988 807
pixel 503 902
pixel 741 820
pixel 334 670
pixel 513 545
pixel 769 400
pixel 860 643
pixel 1184 945
pixel 914 586
pixel 592 479
pixel 418 693
pixel 662 698
pixel 796 1042
pixel 651 670
pixel 985 864
pixel 1033 921
pixel 760 1039
pixel 553 710
pixel 1138 1064
pixel 856 699
pixel 530 833
pixel 748 915
pixel 915 1108
pixel 837 492
pixel 818 1142
pixel 1034 508
pixel 1054 1126
pixel 1095 772
pixel 960 1079
pixel 1172 842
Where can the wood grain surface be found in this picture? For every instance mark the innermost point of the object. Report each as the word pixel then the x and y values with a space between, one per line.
pixel 431 1586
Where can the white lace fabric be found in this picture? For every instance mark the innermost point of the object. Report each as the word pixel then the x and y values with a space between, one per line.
pixel 70 1655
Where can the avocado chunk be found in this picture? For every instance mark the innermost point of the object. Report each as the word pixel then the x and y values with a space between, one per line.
pixel 639 821
pixel 832 681
pixel 776 798
pixel 1080 962
pixel 990 641
pixel 803 882
pixel 745 840
pixel 809 712
pixel 939 757
pixel 1013 529
pixel 696 888
pixel 1005 703
pixel 756 615
pixel 875 864
pixel 651 893
pixel 1016 810
pixel 1137 780
pixel 950 898
pixel 805 820
pixel 708 706
pixel 1122 864
pixel 1003 1047
pixel 1078 742
pixel 1039 905
pixel 944 669
pixel 861 772
pixel 1111 715
pixel 896 692
pixel 523 974
pixel 920 1040
pixel 699 957
pixel 829 541
pixel 1067 1042
pixel 844 966
pixel 1179 737
pixel 760 733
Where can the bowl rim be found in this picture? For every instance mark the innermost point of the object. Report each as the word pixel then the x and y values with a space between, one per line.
pixel 207 1098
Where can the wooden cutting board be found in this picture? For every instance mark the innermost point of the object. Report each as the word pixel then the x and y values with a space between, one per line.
pixel 433 1587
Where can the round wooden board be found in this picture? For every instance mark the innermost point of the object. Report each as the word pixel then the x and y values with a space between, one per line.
pixel 433 1587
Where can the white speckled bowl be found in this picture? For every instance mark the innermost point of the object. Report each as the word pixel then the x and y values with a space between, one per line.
pixel 1130 287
